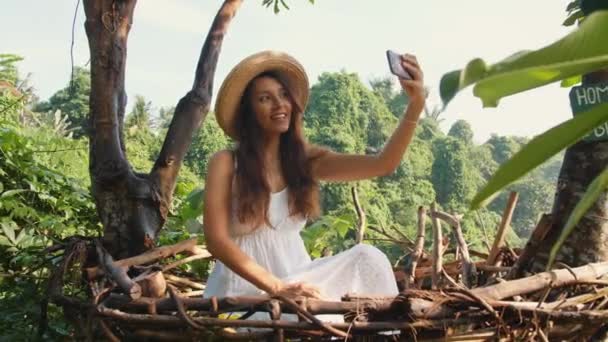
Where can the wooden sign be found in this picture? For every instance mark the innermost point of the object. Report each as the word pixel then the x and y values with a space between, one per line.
pixel 583 98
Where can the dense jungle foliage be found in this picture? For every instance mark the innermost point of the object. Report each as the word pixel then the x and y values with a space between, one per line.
pixel 44 180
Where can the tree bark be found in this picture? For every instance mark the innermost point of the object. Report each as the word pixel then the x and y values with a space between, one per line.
pixel 588 243
pixel 132 206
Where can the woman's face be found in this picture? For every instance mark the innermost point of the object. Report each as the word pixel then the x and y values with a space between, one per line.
pixel 271 104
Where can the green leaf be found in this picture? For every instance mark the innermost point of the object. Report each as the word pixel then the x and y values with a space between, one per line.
pixel 571 81
pixel 539 149
pixel 195 198
pixel 573 5
pixel 9 230
pixel 4 241
pixel 341 226
pixel 595 189
pixel 582 51
pixel 20 236
pixel 284 4
pixel 13 192
pixel 572 18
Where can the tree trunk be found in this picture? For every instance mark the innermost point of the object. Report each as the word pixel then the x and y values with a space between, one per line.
pixel 133 206
pixel 589 241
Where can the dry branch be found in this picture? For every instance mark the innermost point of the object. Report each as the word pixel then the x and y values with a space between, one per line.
pixel 437 248
pixel 171 321
pixel 538 235
pixel 362 220
pixel 186 246
pixel 453 268
pixel 410 268
pixel 194 106
pixel 203 255
pixel 179 281
pixel 117 274
pixel 502 229
pixel 554 278
pixel 424 311
pixel 468 267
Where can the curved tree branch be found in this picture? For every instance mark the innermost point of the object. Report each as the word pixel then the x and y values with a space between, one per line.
pixel 192 108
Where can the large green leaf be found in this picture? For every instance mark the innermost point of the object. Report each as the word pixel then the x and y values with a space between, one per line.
pixel 540 149
pixel 13 192
pixel 582 51
pixel 595 189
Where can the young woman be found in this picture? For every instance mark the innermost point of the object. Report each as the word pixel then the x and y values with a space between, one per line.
pixel 259 196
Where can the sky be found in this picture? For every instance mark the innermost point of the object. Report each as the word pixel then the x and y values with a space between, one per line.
pixel 331 35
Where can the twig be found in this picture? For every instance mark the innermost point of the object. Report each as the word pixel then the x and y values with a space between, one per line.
pixel 410 269
pixel 449 279
pixel 388 240
pixel 181 310
pixel 61 150
pixel 486 239
pixel 502 229
pixel 360 214
pixel 389 237
pixel 487 268
pixel 183 281
pixel 478 299
pixel 186 260
pixel 468 267
pixel 295 307
pixel 403 236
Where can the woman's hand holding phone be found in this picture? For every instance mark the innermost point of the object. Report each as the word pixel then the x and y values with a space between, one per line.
pixel 410 76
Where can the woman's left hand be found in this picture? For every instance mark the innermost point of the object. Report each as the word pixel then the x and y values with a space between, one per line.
pixel 413 88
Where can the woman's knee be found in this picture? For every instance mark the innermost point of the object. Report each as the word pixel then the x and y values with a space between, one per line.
pixel 370 253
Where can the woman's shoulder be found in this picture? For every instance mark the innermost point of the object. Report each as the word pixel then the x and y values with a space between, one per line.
pixel 221 161
pixel 223 155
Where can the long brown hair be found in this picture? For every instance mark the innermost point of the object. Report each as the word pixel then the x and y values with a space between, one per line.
pixel 252 188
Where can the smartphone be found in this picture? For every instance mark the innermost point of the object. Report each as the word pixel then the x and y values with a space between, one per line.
pixel 394 63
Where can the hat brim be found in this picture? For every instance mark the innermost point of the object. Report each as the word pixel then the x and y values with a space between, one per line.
pixel 229 96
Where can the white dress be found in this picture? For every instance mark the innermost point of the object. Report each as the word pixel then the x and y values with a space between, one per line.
pixel 280 249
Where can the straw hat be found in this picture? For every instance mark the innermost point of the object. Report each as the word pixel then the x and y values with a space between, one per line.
pixel 230 93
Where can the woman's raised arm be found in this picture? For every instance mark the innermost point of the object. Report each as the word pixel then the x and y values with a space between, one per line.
pixel 333 166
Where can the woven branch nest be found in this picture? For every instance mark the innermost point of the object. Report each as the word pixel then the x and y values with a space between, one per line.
pixel 566 304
